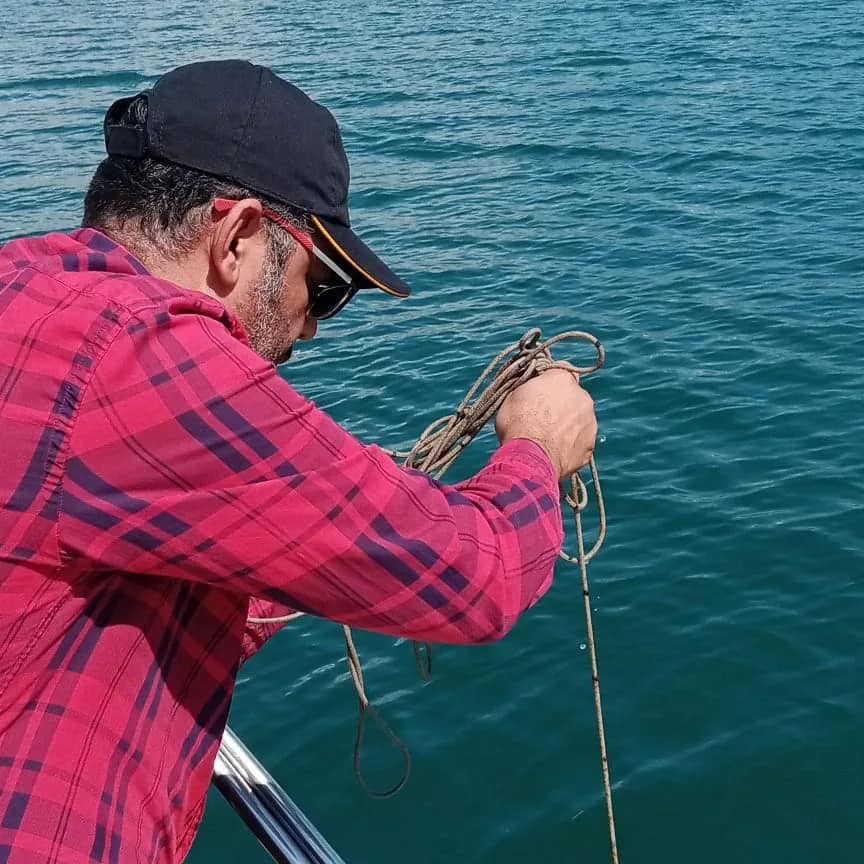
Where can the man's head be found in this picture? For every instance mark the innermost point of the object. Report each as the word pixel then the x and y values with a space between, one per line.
pixel 227 179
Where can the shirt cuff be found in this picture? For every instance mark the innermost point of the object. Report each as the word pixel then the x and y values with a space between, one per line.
pixel 528 454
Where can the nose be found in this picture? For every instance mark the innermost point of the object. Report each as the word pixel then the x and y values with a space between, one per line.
pixel 310 328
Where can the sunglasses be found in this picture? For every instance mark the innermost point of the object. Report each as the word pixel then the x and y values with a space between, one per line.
pixel 326 299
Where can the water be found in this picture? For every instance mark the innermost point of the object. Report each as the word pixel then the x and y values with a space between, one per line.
pixel 683 179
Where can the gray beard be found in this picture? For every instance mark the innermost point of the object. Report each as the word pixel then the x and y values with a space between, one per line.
pixel 266 324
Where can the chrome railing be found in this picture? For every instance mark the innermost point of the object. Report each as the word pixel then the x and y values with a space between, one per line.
pixel 277 822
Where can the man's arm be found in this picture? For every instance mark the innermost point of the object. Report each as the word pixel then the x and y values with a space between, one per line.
pixel 192 459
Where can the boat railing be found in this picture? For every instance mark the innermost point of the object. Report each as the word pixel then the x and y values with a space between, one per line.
pixel 278 823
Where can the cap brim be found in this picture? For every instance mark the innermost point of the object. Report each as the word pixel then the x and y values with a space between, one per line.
pixel 365 265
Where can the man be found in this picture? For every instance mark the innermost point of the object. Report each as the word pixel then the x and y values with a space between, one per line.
pixel 162 482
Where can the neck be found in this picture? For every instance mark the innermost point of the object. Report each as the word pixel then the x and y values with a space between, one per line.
pixel 187 271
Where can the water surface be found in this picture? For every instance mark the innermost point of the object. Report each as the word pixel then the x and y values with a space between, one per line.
pixel 682 179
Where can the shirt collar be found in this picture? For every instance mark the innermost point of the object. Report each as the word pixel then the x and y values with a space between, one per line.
pixel 120 259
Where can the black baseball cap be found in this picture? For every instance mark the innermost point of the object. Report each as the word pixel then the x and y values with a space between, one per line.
pixel 243 123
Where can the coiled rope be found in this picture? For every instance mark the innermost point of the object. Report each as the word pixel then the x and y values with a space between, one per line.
pixel 435 451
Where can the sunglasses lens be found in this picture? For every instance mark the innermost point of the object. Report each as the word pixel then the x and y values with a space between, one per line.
pixel 327 300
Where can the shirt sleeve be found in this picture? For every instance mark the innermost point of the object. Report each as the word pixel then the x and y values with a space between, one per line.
pixel 191 458
pixel 256 633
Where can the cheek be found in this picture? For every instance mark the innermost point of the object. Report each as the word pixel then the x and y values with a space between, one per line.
pixel 254 270
pixel 295 300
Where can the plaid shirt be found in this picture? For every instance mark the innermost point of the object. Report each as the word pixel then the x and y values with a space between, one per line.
pixel 159 483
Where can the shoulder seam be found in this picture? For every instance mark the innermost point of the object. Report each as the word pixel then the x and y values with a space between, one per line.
pixel 147 303
pixel 67 441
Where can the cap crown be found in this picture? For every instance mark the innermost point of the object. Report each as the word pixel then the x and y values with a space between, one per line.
pixel 241 122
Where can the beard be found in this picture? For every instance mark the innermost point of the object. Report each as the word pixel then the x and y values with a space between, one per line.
pixel 267 325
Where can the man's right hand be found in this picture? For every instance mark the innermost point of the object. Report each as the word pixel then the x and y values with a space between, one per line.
pixel 555 412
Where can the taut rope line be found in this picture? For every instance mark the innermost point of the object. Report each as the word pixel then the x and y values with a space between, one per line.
pixel 435 451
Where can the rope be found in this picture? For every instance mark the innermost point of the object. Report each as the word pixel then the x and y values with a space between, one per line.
pixel 279 619
pixel 582 560
pixel 435 451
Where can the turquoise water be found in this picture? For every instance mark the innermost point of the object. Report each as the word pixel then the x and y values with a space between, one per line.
pixel 683 179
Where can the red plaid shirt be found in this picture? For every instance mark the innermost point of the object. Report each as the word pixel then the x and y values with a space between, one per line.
pixel 159 483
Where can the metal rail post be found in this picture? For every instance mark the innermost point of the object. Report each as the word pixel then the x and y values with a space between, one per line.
pixel 277 822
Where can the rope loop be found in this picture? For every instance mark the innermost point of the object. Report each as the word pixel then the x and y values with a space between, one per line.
pixel 365 707
pixel 530 339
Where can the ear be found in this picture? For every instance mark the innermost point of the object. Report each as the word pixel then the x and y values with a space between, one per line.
pixel 235 244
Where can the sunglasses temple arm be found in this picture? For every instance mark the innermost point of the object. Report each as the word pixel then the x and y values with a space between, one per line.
pixel 329 262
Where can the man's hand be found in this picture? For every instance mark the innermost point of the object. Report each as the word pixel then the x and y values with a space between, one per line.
pixel 555 412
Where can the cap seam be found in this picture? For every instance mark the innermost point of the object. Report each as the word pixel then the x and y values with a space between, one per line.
pixel 245 132
pixel 332 169
pixel 152 125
